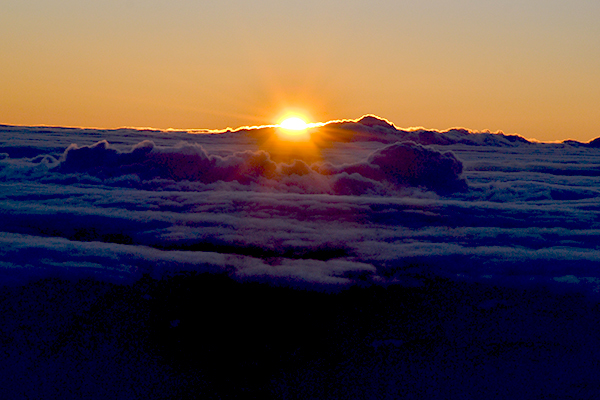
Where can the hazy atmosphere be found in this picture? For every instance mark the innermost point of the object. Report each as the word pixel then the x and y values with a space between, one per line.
pixel 527 67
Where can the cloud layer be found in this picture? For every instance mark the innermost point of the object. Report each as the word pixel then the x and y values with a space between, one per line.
pixel 368 212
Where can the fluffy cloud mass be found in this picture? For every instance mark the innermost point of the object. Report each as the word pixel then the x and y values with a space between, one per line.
pixel 399 165
pixel 379 205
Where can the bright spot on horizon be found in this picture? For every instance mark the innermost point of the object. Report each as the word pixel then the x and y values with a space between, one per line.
pixel 294 124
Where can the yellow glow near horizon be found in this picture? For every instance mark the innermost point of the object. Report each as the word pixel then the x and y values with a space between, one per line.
pixel 292 139
pixel 293 127
pixel 294 124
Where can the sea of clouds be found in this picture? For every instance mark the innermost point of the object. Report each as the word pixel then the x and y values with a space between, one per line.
pixel 370 204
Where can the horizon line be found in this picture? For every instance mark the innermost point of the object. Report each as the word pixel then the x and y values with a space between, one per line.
pixel 311 125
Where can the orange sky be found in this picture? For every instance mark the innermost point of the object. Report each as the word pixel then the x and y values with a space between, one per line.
pixel 526 67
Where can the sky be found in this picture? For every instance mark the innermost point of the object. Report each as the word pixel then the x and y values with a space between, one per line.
pixel 528 67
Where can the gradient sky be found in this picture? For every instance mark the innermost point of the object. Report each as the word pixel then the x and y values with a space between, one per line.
pixel 530 67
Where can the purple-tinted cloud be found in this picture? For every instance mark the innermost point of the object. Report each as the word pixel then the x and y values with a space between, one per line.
pixel 376 211
pixel 400 165
pixel 407 164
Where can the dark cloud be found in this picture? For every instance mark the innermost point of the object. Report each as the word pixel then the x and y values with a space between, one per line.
pixel 411 164
pixel 373 128
pixel 404 164
pixel 400 165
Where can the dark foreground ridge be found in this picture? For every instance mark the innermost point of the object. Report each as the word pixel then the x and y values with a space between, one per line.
pixel 207 336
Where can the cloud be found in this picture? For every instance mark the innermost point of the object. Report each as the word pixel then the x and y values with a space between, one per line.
pixel 373 128
pixel 370 212
pixel 411 164
pixel 399 165
pixel 34 257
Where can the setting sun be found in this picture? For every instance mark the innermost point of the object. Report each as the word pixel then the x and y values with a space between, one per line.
pixel 294 128
pixel 293 123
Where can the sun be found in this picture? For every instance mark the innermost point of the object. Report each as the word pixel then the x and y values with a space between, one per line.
pixel 292 127
pixel 294 124
pixel 292 138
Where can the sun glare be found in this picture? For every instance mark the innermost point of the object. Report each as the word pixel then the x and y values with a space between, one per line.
pixel 294 124
pixel 292 139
